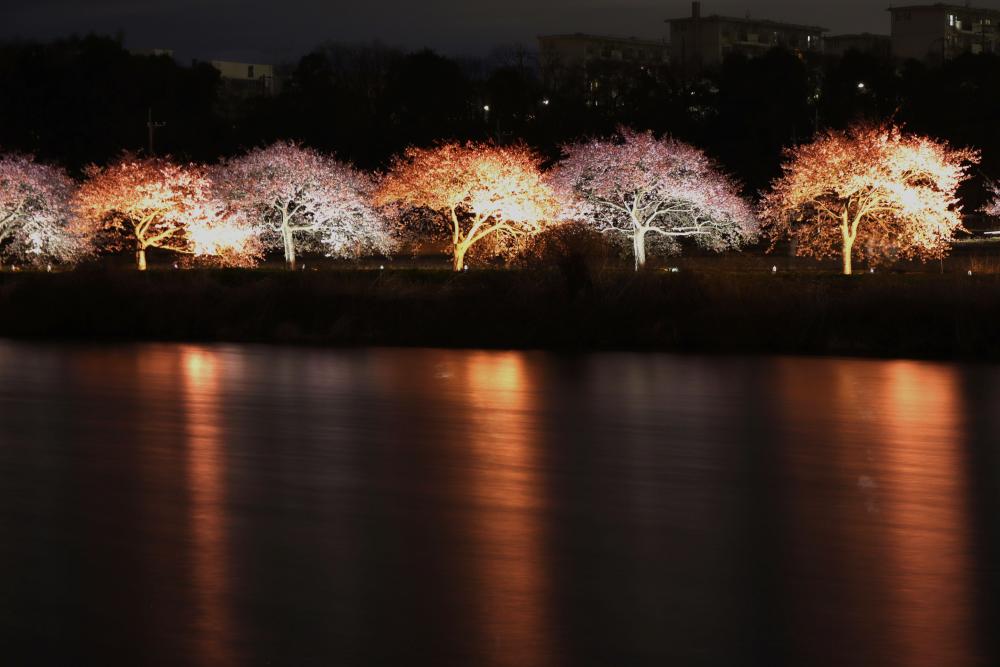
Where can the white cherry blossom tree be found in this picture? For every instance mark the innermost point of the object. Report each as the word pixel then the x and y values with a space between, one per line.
pixel 634 185
pixel 299 199
pixel 35 212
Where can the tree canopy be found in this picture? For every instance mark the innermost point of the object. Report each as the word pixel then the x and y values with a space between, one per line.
pixel 634 184
pixel 871 190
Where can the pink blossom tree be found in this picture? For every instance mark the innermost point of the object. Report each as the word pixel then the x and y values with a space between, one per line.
pixel 155 203
pixel 481 191
pixel 634 185
pixel 297 198
pixel 992 206
pixel 35 213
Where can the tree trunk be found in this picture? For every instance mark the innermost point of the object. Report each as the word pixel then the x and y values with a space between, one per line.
pixel 140 258
pixel 848 249
pixel 639 247
pixel 289 240
pixel 458 261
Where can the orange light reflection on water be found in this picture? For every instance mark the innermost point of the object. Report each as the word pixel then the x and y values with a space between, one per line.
pixel 926 513
pixel 205 469
pixel 508 529
pixel 877 511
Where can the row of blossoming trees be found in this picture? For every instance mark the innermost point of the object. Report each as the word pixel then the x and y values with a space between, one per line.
pixel 871 191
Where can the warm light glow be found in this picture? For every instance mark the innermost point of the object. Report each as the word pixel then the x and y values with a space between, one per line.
pixel 880 521
pixel 871 191
pixel 485 192
pixel 926 514
pixel 506 522
pixel 154 203
pixel 201 373
pixel 226 238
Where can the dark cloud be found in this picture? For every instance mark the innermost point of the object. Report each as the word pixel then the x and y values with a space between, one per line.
pixel 283 29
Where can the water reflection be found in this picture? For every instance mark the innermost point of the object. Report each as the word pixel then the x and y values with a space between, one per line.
pixel 498 398
pixel 926 513
pixel 201 391
pixel 877 512
pixel 251 506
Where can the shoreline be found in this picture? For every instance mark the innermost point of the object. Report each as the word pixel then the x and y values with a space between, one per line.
pixel 898 316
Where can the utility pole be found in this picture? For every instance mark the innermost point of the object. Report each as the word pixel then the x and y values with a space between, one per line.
pixel 152 127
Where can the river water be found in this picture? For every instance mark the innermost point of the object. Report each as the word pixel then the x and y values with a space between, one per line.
pixel 239 505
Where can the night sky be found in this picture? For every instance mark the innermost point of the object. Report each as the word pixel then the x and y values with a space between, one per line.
pixel 274 31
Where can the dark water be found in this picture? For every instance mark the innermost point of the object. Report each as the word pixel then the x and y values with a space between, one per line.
pixel 188 505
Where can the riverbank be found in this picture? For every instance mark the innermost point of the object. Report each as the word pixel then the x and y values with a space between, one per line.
pixel 889 315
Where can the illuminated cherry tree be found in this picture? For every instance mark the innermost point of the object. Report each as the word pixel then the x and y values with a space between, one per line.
pixel 872 191
pixel 35 212
pixel 154 203
pixel 992 207
pixel 634 186
pixel 299 199
pixel 481 191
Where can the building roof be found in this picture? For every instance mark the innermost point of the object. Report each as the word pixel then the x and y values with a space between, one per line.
pixel 607 38
pixel 715 18
pixel 940 6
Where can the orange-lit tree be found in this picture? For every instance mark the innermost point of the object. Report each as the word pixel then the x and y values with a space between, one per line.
pixel 35 212
pixel 871 191
pixel 479 192
pixel 635 186
pixel 297 198
pixel 154 203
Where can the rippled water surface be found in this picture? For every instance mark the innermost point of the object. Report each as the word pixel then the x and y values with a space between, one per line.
pixel 199 505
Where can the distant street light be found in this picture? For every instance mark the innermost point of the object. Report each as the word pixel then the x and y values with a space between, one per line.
pixel 486 108
pixel 545 101
pixel 861 85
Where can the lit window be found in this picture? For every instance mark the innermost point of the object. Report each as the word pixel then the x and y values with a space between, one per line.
pixel 951 20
